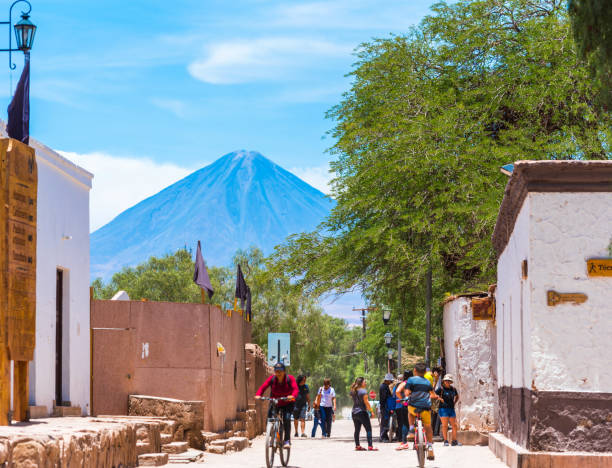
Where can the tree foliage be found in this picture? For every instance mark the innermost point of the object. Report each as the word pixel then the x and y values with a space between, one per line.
pixel 420 137
pixel 592 24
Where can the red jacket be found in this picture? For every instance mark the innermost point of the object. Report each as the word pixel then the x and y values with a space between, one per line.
pixel 280 389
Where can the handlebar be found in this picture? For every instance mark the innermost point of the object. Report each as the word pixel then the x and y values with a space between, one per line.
pixel 274 400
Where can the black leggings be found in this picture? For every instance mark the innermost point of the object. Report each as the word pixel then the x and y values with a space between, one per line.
pixel 362 419
pixel 402 423
pixel 286 412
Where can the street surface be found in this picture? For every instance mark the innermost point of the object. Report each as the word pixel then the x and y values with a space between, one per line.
pixel 339 452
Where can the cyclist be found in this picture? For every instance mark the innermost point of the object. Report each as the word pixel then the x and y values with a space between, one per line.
pixel 420 392
pixel 281 385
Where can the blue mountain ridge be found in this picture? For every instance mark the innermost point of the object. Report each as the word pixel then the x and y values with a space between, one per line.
pixel 243 199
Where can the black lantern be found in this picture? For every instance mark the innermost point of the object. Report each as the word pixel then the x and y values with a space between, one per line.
pixel 388 338
pixel 25 31
pixel 386 316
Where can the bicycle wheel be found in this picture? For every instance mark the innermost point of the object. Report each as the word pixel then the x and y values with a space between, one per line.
pixel 283 451
pixel 270 444
pixel 420 441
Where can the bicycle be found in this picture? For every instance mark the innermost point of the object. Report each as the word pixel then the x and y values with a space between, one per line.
pixel 420 437
pixel 275 434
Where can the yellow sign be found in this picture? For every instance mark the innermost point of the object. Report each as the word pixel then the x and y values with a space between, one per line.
pixel 599 267
pixel 554 298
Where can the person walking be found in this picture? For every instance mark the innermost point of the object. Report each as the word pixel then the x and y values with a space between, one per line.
pixel 319 420
pixel 326 398
pixel 301 405
pixel 384 393
pixel 361 412
pixel 438 372
pixel 401 410
pixel 450 397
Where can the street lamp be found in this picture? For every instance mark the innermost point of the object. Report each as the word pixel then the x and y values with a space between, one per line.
pixel 388 338
pixel 25 31
pixel 386 316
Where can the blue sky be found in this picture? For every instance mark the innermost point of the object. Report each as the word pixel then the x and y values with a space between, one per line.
pixel 143 92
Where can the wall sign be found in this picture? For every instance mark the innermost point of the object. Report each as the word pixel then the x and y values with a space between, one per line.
pixel 599 267
pixel 554 298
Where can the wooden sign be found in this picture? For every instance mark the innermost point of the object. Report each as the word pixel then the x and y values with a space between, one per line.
pixel 599 267
pixel 554 298
pixel 483 308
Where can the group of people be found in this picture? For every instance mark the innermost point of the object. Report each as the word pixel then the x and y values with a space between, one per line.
pixel 413 393
pixel 424 391
pixel 297 391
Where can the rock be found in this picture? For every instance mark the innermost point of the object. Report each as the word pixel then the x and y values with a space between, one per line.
pixel 28 453
pixel 142 447
pixel 218 449
pixel 153 459
pixel 166 438
pixel 239 443
pixel 175 447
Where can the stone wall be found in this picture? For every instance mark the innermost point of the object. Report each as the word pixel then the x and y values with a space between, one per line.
pixel 257 372
pixel 470 350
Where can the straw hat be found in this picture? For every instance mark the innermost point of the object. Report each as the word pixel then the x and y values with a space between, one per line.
pixel 448 377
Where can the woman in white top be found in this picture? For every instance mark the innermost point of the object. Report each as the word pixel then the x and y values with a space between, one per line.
pixel 326 398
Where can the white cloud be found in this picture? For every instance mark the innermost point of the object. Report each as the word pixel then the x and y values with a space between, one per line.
pixel 317 176
pixel 263 59
pixel 177 107
pixel 120 183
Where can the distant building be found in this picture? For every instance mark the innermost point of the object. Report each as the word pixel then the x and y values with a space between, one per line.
pixel 60 373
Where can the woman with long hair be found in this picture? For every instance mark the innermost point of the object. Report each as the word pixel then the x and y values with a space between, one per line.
pixel 361 412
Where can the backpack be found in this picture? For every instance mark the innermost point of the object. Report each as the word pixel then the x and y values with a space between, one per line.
pixel 391 403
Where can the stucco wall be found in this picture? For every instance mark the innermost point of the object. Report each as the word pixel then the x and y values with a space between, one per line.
pixel 570 342
pixel 470 350
pixel 169 350
pixel 63 211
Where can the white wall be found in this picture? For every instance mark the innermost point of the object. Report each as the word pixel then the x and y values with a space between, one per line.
pixel 63 211
pixel 570 343
pixel 470 350
pixel 513 318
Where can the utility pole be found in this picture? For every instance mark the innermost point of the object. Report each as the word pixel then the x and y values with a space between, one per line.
pixel 428 312
pixel 363 311
pixel 399 345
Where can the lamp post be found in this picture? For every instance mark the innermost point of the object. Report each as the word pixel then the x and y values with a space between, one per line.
pixel 386 316
pixel 25 31
pixel 388 338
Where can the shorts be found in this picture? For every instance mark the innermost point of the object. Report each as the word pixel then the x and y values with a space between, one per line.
pixel 299 413
pixel 425 415
pixel 447 413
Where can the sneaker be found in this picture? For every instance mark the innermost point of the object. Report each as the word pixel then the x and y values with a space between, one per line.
pixel 456 444
pixel 404 446
pixel 430 453
pixel 304 435
pixel 372 449
pixel 359 448
pixel 446 443
pixel 287 443
pixel 296 435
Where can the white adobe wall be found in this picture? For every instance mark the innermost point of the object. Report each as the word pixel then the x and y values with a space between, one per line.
pixel 512 300
pixel 570 343
pixel 63 211
pixel 470 352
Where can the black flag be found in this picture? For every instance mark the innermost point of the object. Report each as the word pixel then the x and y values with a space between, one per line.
pixel 18 126
pixel 200 275
pixel 243 292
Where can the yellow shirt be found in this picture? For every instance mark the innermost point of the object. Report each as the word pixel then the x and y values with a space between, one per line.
pixel 429 376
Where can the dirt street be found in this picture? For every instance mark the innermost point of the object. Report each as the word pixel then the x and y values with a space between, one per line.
pixel 338 452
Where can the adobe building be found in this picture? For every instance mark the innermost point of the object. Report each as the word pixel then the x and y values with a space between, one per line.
pixel 470 352
pixel 554 310
pixel 59 370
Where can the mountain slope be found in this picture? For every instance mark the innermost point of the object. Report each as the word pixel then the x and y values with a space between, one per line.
pixel 240 200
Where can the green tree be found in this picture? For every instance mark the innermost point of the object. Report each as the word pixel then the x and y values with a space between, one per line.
pixel 592 24
pixel 420 137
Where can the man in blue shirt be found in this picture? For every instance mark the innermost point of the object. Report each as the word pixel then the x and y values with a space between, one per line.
pixel 420 392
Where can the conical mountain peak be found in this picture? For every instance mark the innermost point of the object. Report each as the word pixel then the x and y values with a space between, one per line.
pixel 243 199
